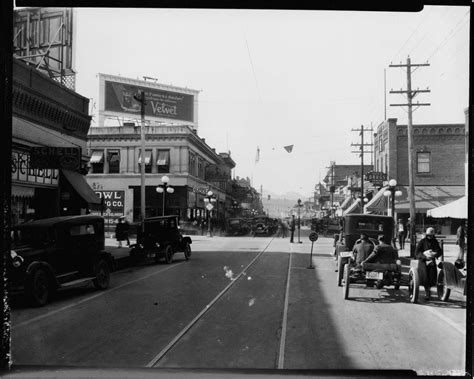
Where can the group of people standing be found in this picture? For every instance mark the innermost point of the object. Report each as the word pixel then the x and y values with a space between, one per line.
pixel 283 229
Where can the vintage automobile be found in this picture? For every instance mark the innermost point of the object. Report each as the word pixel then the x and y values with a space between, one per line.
pixel 161 238
pixel 264 226
pixel 56 253
pixel 237 227
pixel 352 226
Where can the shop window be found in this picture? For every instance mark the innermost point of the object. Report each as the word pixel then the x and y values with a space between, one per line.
pixel 163 161
pixel 97 161
pixel 423 162
pixel 113 157
pixel 148 161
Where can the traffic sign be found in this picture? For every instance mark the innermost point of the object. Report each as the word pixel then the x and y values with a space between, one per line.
pixel 210 207
pixel 313 236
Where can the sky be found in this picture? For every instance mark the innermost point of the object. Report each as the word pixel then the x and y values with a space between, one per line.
pixel 273 78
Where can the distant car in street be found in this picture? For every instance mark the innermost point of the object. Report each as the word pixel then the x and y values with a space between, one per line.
pixel 237 227
pixel 55 253
pixel 161 238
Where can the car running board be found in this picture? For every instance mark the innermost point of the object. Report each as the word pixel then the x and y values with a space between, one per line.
pixel 77 281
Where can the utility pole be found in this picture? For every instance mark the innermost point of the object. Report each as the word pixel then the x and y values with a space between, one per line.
pixel 361 153
pixel 332 185
pixel 411 186
pixel 141 99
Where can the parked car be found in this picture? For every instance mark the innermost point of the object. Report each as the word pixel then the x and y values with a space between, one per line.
pixel 58 252
pixel 161 238
pixel 237 227
pixel 352 226
pixel 263 225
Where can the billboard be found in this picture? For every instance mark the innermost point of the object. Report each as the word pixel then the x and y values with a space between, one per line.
pixel 119 97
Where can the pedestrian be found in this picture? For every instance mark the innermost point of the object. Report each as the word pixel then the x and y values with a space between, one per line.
pixel 121 231
pixel 362 249
pixel 461 241
pixel 284 229
pixel 402 232
pixel 426 252
pixel 292 228
pixel 409 229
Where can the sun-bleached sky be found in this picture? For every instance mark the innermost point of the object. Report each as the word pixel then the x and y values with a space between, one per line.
pixel 272 78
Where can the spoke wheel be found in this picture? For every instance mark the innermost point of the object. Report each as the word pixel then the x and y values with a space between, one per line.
pixel 38 288
pixel 441 286
pixel 102 275
pixel 187 251
pixel 347 281
pixel 413 285
pixel 168 254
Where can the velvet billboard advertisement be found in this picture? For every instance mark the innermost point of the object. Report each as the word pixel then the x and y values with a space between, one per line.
pixel 119 97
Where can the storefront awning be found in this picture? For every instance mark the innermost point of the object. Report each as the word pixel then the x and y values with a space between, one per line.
pixel 378 204
pixel 78 182
pixel 347 202
pixel 22 192
pixel 163 158
pixel 97 156
pixel 354 208
pixel 428 197
pixel 454 209
pixel 147 157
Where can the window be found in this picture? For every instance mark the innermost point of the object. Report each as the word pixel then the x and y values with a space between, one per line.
pixel 200 168
pixel 423 162
pixel 148 161
pixel 192 164
pixel 113 157
pixel 97 161
pixel 81 230
pixel 163 161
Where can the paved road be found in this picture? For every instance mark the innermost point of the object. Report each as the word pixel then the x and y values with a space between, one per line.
pixel 275 313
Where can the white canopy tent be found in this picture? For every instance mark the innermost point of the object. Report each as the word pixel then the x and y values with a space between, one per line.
pixel 455 209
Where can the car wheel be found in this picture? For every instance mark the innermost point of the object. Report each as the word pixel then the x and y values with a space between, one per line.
pixel 443 290
pixel 38 288
pixel 187 251
pixel 168 254
pixel 102 275
pixel 346 281
pixel 379 284
pixel 413 285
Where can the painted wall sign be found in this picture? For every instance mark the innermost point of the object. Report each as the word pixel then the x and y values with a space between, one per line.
pixel 159 103
pixel 114 208
pixel 23 172
pixel 68 158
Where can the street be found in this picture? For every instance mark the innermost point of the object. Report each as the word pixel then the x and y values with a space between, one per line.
pixel 241 302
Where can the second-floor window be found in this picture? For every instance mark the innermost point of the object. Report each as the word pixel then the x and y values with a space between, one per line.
pixel 192 164
pixel 113 157
pixel 163 161
pixel 148 161
pixel 423 162
pixel 97 161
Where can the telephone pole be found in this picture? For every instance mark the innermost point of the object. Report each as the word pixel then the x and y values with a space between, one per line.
pixel 411 161
pixel 332 187
pixel 141 99
pixel 361 153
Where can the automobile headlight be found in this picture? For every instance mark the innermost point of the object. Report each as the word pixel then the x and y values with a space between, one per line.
pixel 398 262
pixel 17 260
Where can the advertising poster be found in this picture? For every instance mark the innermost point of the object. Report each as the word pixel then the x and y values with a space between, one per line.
pixel 114 207
pixel 119 97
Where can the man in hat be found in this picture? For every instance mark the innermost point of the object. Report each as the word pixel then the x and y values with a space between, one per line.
pixel 362 249
pixel 427 250
pixel 121 231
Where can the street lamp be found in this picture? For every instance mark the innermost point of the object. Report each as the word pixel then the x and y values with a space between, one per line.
pixel 163 188
pixel 361 200
pixel 299 225
pixel 392 192
pixel 209 199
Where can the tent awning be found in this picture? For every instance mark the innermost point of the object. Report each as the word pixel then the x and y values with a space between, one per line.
pixel 347 203
pixel 454 209
pixel 428 197
pixel 97 156
pixel 354 208
pixel 78 182
pixel 378 204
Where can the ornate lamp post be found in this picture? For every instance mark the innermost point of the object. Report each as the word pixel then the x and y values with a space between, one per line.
pixel 392 192
pixel 363 201
pixel 209 199
pixel 163 188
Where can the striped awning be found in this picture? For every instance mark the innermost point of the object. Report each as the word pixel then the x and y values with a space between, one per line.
pixel 97 156
pixel 347 202
pixel 354 208
pixel 163 157
pixel 147 157
pixel 378 204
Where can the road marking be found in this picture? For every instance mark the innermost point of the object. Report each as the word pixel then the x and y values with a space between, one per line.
pixel 183 331
pixel 281 355
pixel 51 313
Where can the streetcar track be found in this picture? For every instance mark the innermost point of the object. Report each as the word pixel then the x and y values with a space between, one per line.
pixel 188 327
pixel 281 355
